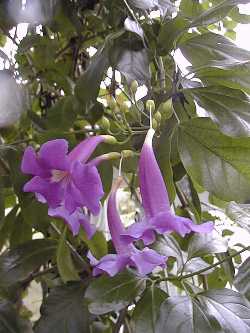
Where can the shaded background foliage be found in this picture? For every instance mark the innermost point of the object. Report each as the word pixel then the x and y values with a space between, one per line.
pixel 52 88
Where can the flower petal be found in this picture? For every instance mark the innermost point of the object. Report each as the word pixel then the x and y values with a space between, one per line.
pixel 147 260
pixel 167 222
pixel 152 186
pixel 71 219
pixel 73 198
pixel 116 227
pixel 51 192
pixel 30 164
pixel 87 226
pixel 111 264
pixel 53 154
pixel 87 180
pixel 85 148
pixel 139 230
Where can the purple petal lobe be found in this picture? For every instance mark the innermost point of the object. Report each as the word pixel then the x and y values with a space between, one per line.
pixel 30 164
pixel 147 260
pixel 152 186
pixel 73 198
pixel 53 154
pixel 87 226
pixel 51 192
pixel 74 221
pixel 85 148
pixel 139 230
pixel 167 222
pixel 87 180
pixel 111 264
pixel 202 228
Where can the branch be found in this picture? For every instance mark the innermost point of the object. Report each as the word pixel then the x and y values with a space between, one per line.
pixel 186 276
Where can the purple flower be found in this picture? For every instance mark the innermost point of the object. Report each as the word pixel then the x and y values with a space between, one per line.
pixel 74 220
pixel 158 216
pixel 64 179
pixel 127 254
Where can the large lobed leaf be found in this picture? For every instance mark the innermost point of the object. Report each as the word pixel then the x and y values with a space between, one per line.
pixel 213 311
pixel 107 294
pixel 64 311
pixel 217 162
pixel 17 264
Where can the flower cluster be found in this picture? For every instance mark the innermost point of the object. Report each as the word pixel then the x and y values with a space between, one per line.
pixel 69 182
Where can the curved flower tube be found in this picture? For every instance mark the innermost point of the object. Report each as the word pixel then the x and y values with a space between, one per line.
pixel 158 215
pixel 126 255
pixel 62 178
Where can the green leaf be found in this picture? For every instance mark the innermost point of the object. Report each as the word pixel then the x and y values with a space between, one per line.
pixel 21 233
pixel 201 49
pixel 217 279
pixel 216 13
pixel 213 311
pixel 142 4
pixel 64 261
pixel 163 157
pixel 170 31
pixel 18 263
pixel 215 161
pixel 134 65
pixel 64 311
pixel 191 9
pixel 180 315
pixel 7 226
pixel 203 244
pixel 195 264
pixel 229 108
pixel 97 244
pixel 242 279
pixel 147 310
pixel 239 214
pixel 9 321
pixel 107 294
pixel 231 74
pixel 88 86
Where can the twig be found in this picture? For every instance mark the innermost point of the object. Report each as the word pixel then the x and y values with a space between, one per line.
pixel 73 250
pixel 120 321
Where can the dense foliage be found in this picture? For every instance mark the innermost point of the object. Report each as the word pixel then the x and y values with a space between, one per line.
pixel 51 88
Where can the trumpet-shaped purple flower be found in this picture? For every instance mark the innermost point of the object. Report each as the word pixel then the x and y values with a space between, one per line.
pixel 127 254
pixel 62 178
pixel 158 216
pixel 66 181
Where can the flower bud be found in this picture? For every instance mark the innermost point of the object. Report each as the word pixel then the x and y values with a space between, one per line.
pixel 104 123
pixel 157 117
pixel 112 103
pixel 124 108
pixel 134 86
pixel 167 109
pixel 127 153
pixel 109 139
pixel 150 105
pixel 154 124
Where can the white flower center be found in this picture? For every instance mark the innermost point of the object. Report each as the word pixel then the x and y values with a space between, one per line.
pixel 58 175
